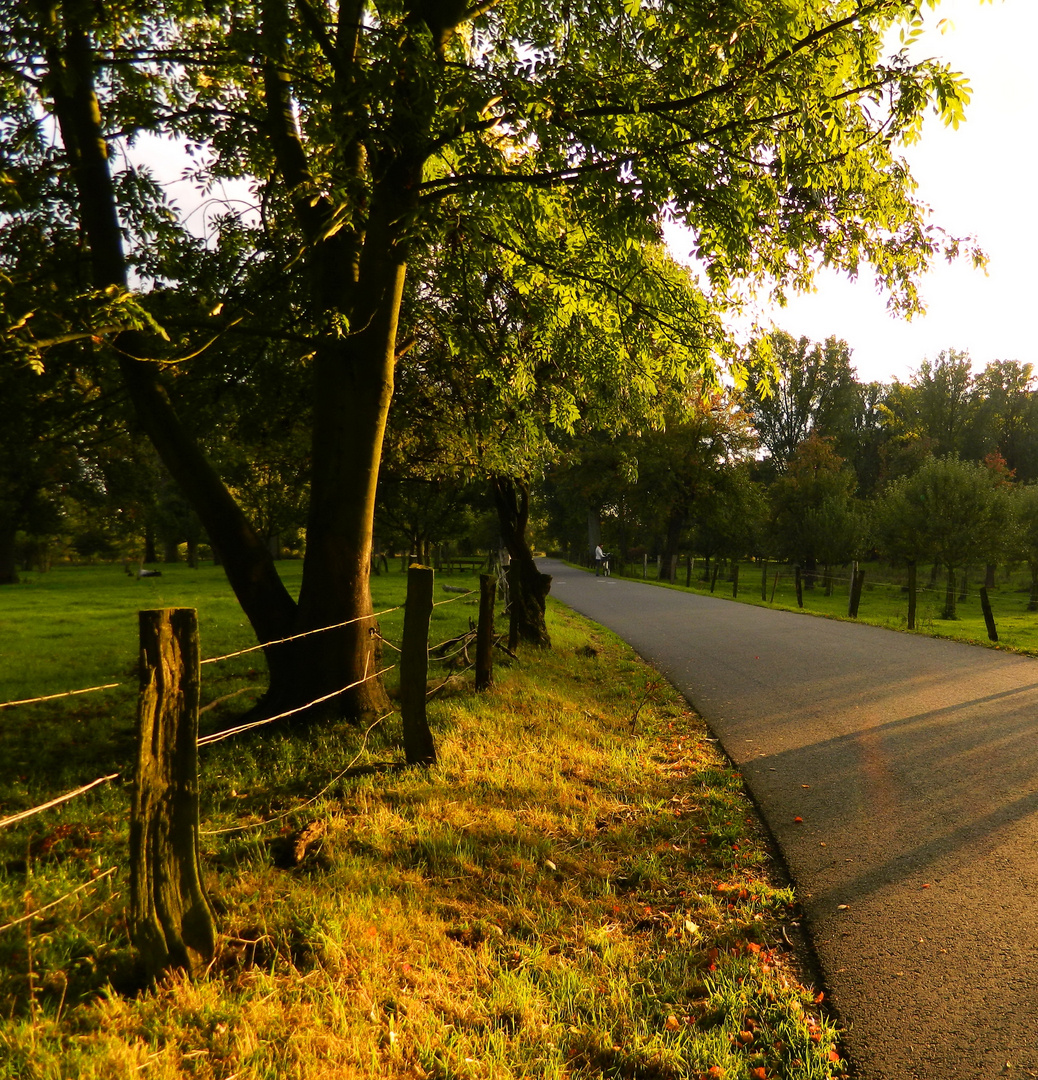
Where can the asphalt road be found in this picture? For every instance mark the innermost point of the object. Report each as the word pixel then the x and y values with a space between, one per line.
pixel 914 766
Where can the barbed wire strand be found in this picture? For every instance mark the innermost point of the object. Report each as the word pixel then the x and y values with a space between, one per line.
pixel 60 900
pixel 219 736
pixel 296 637
pixel 466 640
pixel 454 599
pixel 55 802
pixel 310 801
pixel 53 697
pixel 385 641
pixel 447 679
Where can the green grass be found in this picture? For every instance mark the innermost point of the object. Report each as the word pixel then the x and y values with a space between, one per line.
pixel 580 888
pixel 884 601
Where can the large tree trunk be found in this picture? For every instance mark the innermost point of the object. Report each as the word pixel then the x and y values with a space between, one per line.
pixel 251 572
pixel 527 587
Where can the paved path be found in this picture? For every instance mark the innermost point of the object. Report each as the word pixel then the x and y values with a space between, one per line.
pixel 914 765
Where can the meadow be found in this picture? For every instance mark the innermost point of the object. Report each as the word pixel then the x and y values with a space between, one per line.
pixel 579 888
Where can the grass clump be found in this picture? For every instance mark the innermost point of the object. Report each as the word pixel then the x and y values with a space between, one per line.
pixel 580 888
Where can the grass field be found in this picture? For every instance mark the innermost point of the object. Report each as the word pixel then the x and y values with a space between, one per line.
pixel 580 887
pixel 884 601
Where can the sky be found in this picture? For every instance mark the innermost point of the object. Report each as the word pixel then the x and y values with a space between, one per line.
pixel 979 180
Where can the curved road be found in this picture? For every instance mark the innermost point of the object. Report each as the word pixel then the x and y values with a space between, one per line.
pixel 914 766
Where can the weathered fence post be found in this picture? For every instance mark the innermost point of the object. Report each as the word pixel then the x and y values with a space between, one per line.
pixel 419 748
pixel 688 572
pixel 775 586
pixel 989 618
pixel 857 582
pixel 485 632
pixel 799 582
pixel 645 566
pixel 735 579
pixel 764 580
pixel 713 577
pixel 170 914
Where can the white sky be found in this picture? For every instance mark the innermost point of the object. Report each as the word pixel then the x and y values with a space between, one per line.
pixel 979 180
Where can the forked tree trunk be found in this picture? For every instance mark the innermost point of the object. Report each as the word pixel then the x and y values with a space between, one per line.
pixel 527 587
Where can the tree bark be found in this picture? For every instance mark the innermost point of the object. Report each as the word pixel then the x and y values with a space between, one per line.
pixel 527 587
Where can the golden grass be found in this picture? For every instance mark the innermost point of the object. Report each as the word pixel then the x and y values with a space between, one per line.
pixel 580 888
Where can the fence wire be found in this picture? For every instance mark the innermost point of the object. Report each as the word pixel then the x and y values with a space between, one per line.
pixel 60 900
pixel 219 736
pixel 54 697
pixel 297 637
pixel 14 818
pixel 309 802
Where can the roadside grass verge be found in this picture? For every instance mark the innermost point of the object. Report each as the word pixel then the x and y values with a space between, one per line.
pixel 580 888
pixel 884 600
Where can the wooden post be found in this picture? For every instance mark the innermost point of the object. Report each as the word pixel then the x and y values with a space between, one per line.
pixel 688 572
pixel 799 581
pixel 645 566
pixel 989 618
pixel 735 579
pixel 170 916
pixel 911 595
pixel 485 632
pixel 857 582
pixel 419 748
pixel 774 586
pixel 713 577
pixel 673 569
pixel 764 579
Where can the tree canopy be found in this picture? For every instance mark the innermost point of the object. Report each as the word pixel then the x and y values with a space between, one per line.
pixel 374 135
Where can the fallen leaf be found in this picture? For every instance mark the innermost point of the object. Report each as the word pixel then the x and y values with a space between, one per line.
pixel 673 1023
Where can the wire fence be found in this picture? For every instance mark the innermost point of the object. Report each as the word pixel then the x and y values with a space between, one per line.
pixel 461 641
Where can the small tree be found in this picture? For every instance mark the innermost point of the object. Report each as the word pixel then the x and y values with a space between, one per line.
pixel 958 510
pixel 1025 534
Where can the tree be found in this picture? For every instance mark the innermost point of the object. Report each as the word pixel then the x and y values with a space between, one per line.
pixel 815 519
pixel 769 130
pixel 795 389
pixel 954 511
pixel 938 404
pixel 1025 517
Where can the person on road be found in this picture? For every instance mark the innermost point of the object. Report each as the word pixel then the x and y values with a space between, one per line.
pixel 599 559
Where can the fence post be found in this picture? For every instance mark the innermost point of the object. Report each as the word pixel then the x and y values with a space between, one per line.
pixel 911 595
pixel 857 582
pixel 735 579
pixel 419 748
pixel 799 581
pixel 764 580
pixel 989 618
pixel 688 572
pixel 485 632
pixel 645 566
pixel 170 912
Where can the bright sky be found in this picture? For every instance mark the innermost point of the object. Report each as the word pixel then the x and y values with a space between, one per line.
pixel 979 180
